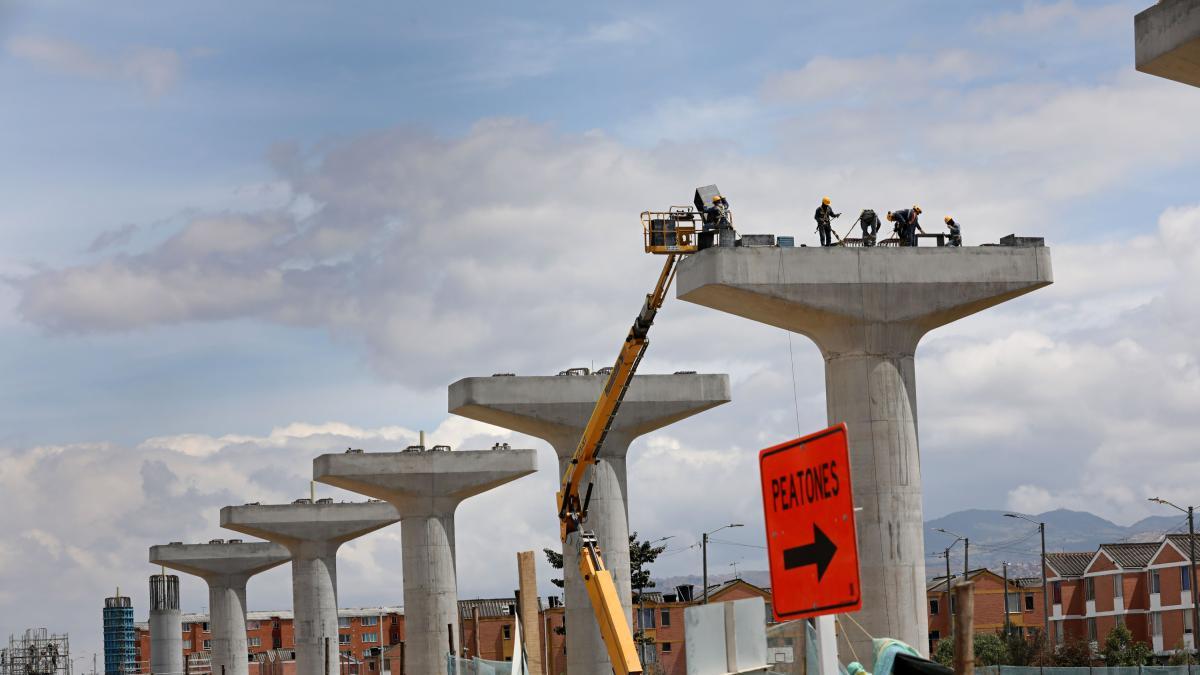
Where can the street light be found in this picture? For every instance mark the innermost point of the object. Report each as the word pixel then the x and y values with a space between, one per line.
pixel 966 549
pixel 1045 595
pixel 704 555
pixel 957 538
pixel 1192 557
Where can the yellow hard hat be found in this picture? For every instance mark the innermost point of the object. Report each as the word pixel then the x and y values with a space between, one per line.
pixel 716 198
pixel 917 208
pixel 890 216
pixel 948 219
pixel 825 201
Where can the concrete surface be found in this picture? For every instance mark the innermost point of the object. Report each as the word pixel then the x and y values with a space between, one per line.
pixel 225 567
pixel 1166 40
pixel 426 488
pixel 556 409
pixel 166 626
pixel 866 309
pixel 312 533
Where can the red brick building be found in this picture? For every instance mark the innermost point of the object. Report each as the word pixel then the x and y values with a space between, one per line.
pixel 1024 604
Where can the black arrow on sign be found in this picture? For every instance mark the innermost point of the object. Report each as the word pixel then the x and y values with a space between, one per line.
pixel 818 553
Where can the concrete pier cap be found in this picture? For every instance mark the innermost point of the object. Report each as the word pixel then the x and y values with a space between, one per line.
pixel 312 533
pixel 866 309
pixel 555 409
pixel 225 566
pixel 426 487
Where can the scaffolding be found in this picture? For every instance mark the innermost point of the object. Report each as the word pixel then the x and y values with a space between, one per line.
pixel 36 653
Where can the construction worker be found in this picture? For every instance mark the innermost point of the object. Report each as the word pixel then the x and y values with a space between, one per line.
pixel 907 225
pixel 869 222
pixel 955 232
pixel 719 213
pixel 823 216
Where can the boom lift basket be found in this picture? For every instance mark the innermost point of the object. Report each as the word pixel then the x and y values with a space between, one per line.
pixel 671 231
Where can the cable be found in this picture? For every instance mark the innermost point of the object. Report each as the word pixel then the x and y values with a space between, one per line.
pixel 734 543
pixel 791 359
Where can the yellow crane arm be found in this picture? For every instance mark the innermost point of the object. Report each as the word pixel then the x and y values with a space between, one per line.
pixel 572 510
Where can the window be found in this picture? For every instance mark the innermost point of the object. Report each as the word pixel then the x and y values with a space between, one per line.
pixel 1057 585
pixel 187 626
pixel 953 605
pixel 254 642
pixel 666 647
pixel 933 606
pixel 1014 603
pixel 1091 626
pixel 1155 582
pixel 1185 579
pixel 1089 589
pixel 204 626
pixel 343 622
pixel 1118 587
pixel 506 631
pixel 935 635
pixel 370 637
pixel 253 625
pixel 1156 624
pixel 187 644
pixel 368 653
pixel 1187 623
pixel 1029 602
pixel 343 638
pixel 646 618
pixel 664 618
pixel 369 620
pixel 207 644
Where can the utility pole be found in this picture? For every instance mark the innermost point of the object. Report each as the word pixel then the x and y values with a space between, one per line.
pixel 704 555
pixel 1045 594
pixel 1006 626
pixel 964 643
pixel 949 602
pixel 966 557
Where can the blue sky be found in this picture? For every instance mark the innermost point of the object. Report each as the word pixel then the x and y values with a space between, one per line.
pixel 237 236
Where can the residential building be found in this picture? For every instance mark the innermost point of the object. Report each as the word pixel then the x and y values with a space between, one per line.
pixel 1024 603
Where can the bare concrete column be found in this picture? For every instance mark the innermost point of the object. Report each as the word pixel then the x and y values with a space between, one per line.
pixel 427 487
pixel 225 567
pixel 866 309
pixel 166 626
pixel 528 596
pixel 312 533
pixel 556 409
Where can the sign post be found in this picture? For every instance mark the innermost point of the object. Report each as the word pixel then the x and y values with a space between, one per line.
pixel 812 546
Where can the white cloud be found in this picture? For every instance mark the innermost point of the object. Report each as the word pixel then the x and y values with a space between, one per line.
pixel 154 69
pixel 1043 17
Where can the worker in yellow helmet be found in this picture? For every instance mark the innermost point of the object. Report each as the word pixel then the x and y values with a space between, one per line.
pixel 907 224
pixel 955 232
pixel 823 216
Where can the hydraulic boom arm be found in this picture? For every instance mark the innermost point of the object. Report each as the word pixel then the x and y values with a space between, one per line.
pixel 572 510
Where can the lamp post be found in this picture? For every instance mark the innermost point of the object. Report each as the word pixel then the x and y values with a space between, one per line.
pixel 1192 558
pixel 1045 595
pixel 949 600
pixel 704 555
pixel 966 549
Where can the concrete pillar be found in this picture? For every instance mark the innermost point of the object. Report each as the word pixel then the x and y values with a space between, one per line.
pixel 867 308
pixel 312 533
pixel 426 487
pixel 556 409
pixel 166 626
pixel 527 595
pixel 225 567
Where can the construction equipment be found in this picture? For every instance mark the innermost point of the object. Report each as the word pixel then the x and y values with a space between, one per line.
pixel 672 233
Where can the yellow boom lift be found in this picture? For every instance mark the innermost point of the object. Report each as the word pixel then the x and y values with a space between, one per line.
pixel 673 233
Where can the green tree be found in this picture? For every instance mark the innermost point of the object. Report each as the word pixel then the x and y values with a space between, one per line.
pixel 1121 650
pixel 990 650
pixel 1023 650
pixel 943 653
pixel 1071 654
pixel 641 555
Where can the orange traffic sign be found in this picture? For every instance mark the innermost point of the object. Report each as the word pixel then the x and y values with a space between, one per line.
pixel 809 513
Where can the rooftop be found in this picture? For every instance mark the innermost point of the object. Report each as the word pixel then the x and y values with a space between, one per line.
pixel 1131 555
pixel 1071 563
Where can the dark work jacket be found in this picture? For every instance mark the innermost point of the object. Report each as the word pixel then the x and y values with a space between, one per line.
pixel 824 214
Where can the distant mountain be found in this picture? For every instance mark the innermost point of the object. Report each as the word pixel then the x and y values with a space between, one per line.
pixel 996 538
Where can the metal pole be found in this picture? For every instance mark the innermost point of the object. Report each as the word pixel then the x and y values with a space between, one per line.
pixel 1045 595
pixel 1005 565
pixel 1195 607
pixel 966 558
pixel 704 555
pixel 949 606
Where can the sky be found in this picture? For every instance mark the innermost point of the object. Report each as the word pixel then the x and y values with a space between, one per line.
pixel 237 236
